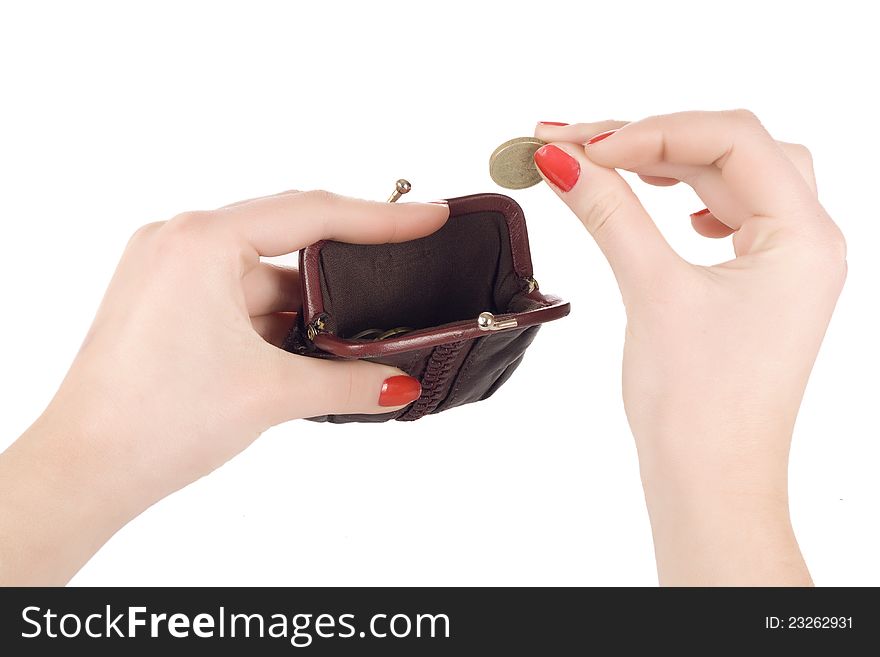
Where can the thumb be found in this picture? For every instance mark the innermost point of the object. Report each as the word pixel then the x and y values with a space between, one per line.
pixel 609 209
pixel 314 386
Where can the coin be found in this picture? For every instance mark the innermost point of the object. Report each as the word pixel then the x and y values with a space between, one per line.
pixel 512 165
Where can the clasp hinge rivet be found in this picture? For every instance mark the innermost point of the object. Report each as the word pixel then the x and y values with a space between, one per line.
pixel 488 322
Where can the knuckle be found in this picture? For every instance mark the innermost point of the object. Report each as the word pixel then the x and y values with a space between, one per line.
pixel 824 253
pixel 832 239
pixel 693 176
pixel 800 155
pixel 833 266
pixel 321 196
pixel 348 397
pixel 744 117
pixel 145 232
pixel 175 238
pixel 802 152
pixel 340 384
pixel 598 212
pixel 837 250
pixel 185 227
pixel 187 222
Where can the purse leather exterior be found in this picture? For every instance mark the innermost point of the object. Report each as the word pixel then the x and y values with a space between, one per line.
pixel 457 363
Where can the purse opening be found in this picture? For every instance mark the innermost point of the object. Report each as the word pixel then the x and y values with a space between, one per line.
pixel 463 269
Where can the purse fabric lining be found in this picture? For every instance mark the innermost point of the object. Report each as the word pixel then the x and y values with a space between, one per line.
pixel 456 273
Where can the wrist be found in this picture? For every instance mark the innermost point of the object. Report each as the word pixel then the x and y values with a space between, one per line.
pixel 711 479
pixel 725 539
pixel 62 496
pixel 719 511
pixel 85 454
pixel 715 458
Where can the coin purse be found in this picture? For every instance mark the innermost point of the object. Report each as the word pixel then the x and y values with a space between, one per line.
pixel 456 309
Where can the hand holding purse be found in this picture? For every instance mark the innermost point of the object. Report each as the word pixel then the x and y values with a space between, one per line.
pixel 456 309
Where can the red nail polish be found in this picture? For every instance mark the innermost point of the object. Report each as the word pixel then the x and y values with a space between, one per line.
pixel 702 212
pixel 399 390
pixel 556 123
pixel 600 136
pixel 559 167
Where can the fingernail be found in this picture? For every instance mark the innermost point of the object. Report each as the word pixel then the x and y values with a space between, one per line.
pixel 556 123
pixel 399 390
pixel 700 213
pixel 600 136
pixel 559 167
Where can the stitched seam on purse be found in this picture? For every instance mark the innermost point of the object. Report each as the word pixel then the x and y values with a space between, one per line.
pixel 440 367
pixel 462 376
pixel 409 368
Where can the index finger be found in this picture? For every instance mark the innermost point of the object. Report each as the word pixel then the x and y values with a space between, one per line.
pixel 277 225
pixel 751 163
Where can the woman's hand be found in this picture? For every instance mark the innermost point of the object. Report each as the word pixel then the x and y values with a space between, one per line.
pixel 716 358
pixel 178 374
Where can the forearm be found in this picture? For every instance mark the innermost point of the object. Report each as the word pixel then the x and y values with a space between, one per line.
pixel 59 502
pixel 721 521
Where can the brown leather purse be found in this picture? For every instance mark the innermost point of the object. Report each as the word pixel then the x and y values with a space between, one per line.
pixel 456 309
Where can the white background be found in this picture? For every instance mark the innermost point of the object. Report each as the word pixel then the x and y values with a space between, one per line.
pixel 116 114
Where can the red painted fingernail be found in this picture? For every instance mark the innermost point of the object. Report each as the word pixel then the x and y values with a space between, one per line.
pixel 700 213
pixel 399 390
pixel 559 167
pixel 600 136
pixel 557 123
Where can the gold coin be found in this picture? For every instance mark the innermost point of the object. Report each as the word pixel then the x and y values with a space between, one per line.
pixel 512 165
pixel 390 333
pixel 368 334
